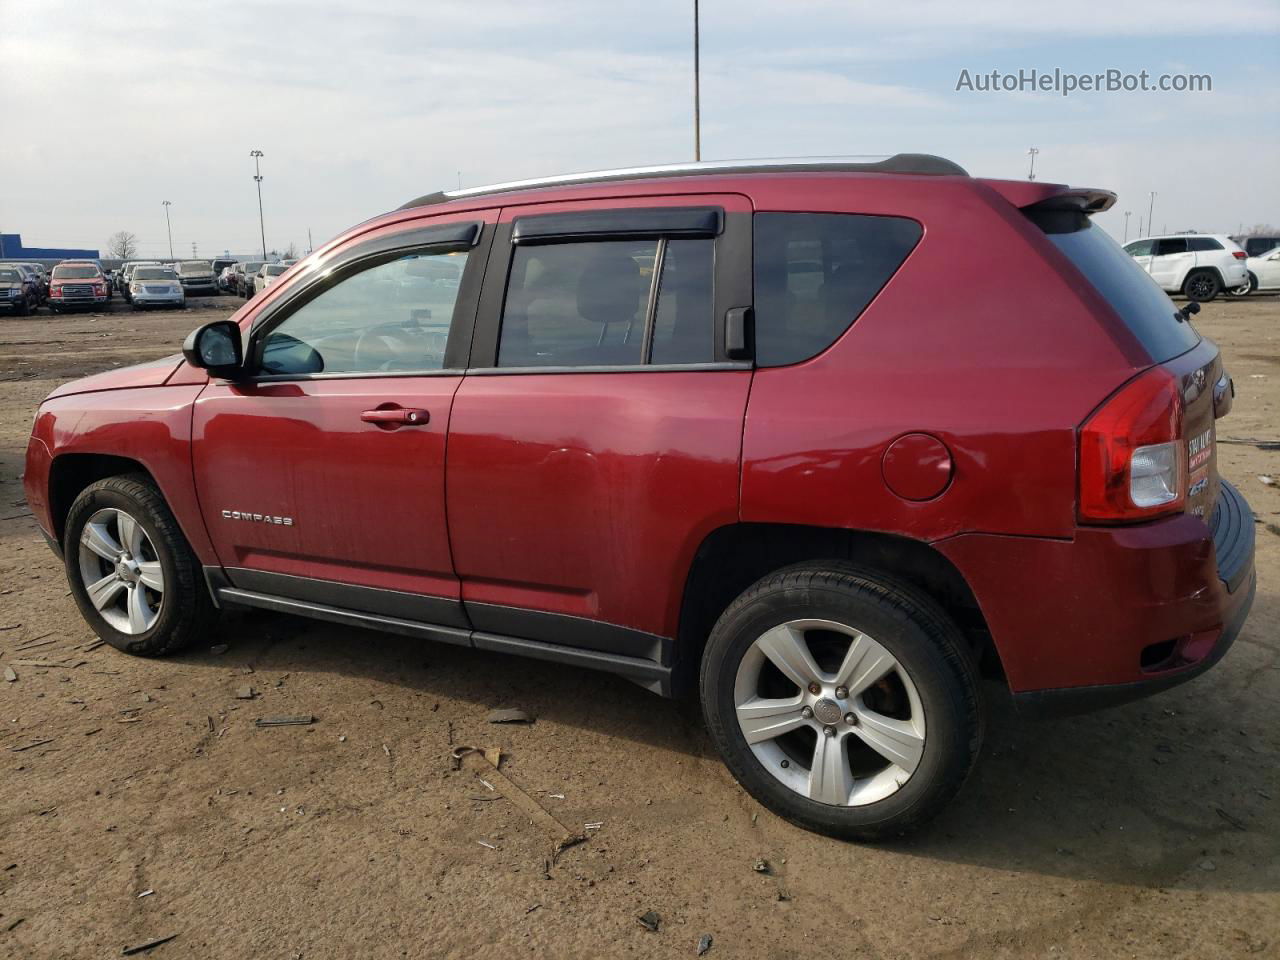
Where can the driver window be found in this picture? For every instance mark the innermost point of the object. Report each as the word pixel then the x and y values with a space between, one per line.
pixel 393 317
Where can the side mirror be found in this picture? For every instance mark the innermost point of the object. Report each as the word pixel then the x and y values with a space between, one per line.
pixel 215 347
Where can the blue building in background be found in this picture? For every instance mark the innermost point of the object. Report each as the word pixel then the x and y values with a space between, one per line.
pixel 11 248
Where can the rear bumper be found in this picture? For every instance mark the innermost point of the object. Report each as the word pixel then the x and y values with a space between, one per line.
pixel 1113 614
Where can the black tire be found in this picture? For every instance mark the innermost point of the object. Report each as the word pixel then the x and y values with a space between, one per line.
pixel 1202 286
pixel 907 623
pixel 187 611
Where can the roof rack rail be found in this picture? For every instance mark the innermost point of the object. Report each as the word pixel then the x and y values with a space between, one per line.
pixel 912 163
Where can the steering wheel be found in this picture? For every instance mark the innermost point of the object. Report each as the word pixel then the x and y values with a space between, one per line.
pixel 385 345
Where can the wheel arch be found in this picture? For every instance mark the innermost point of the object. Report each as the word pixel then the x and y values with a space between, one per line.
pixel 733 557
pixel 70 473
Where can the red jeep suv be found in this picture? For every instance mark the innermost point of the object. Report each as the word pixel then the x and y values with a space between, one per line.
pixel 772 432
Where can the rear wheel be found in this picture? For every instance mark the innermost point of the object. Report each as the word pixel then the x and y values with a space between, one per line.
pixel 842 700
pixel 1201 286
pixel 131 570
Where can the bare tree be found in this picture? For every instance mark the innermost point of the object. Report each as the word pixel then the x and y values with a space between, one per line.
pixel 1261 230
pixel 291 252
pixel 122 245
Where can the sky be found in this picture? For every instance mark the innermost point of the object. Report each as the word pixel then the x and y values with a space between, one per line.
pixel 358 107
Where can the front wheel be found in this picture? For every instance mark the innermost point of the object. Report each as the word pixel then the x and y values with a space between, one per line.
pixel 131 570
pixel 842 700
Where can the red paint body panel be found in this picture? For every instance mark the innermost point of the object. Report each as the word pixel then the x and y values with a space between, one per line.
pixel 587 494
pixel 1001 372
pixel 150 425
pixel 151 374
pixel 1078 613
pixel 367 503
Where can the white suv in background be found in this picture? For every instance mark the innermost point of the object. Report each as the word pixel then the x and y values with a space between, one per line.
pixel 1198 265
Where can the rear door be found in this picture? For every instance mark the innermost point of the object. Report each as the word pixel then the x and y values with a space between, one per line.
pixel 596 438
pixel 321 477
pixel 1170 262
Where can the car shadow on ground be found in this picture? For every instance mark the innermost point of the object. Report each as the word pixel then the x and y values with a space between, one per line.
pixel 1176 786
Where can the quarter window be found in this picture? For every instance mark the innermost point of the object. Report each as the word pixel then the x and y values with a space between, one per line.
pixel 392 317
pixel 815 273
pixel 1203 244
pixel 597 304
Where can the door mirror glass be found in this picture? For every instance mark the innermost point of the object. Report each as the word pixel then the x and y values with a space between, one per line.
pixel 215 347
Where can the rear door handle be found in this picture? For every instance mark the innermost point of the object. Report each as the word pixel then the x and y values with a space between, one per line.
pixel 396 417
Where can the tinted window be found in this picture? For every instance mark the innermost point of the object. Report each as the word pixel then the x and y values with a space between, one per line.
pixel 1257 246
pixel 815 273
pixel 1123 283
pixel 1202 244
pixel 577 304
pixel 1140 248
pixel 683 322
pixel 1170 246
pixel 387 318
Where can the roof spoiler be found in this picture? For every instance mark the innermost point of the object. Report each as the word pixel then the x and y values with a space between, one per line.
pixel 1029 195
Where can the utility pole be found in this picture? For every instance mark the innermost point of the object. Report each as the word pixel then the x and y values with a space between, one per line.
pixel 1126 227
pixel 257 176
pixel 168 225
pixel 1031 174
pixel 1139 225
pixel 697 89
pixel 1151 202
pixel 309 245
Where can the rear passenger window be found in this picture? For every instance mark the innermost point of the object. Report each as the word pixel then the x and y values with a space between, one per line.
pixel 815 273
pixel 1171 246
pixel 597 304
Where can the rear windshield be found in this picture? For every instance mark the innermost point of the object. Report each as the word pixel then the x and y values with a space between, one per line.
pixel 1145 309
pixel 195 267
pixel 153 273
pixel 275 269
pixel 86 272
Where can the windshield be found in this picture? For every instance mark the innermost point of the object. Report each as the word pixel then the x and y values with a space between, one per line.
pixel 275 269
pixel 79 272
pixel 253 266
pixel 154 273
pixel 195 267
pixel 10 276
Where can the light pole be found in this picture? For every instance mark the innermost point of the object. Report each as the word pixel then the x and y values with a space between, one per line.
pixel 1031 174
pixel 1126 226
pixel 168 225
pixel 257 176
pixel 1151 202
pixel 697 90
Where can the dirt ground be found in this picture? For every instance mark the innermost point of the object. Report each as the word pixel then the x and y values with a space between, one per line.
pixel 156 807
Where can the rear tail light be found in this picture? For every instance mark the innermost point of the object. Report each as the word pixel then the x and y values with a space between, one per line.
pixel 1239 254
pixel 1132 456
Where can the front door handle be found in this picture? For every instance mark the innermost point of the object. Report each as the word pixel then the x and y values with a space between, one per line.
pixel 391 417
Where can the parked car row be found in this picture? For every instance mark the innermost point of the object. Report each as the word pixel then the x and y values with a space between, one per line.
pixel 1202 265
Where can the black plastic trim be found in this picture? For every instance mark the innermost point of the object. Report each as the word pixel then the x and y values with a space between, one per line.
pixel 247 598
pixel 578 641
pixel 626 223
pixel 649 675
pixel 1233 536
pixel 569 631
pixel 399 605
pixel 620 368
pixel 1065 701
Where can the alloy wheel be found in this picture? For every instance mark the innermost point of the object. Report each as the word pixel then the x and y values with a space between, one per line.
pixel 121 571
pixel 829 712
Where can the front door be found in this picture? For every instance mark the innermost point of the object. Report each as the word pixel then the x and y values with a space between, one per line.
pixel 321 477
pixel 596 438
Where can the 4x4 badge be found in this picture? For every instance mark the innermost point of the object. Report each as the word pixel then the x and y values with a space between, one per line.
pixel 257 517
